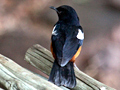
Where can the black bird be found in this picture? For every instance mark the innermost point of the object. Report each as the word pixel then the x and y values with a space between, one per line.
pixel 66 43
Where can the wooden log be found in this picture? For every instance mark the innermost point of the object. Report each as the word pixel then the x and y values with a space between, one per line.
pixel 15 77
pixel 42 59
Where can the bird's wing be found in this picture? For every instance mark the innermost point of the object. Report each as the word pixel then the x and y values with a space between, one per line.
pixel 71 46
pixel 65 48
pixel 58 41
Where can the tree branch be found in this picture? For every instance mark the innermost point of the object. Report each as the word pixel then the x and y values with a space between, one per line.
pixel 15 77
pixel 42 59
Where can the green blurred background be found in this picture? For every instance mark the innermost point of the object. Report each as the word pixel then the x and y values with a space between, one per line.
pixel 24 23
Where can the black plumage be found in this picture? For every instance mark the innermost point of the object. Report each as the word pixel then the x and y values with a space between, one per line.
pixel 65 44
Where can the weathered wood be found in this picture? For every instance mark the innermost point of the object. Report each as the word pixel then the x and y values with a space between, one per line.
pixel 42 59
pixel 15 77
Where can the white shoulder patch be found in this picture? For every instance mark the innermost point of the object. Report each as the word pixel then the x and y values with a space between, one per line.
pixel 80 34
pixel 54 32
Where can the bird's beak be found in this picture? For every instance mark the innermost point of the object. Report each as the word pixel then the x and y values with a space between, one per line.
pixel 54 8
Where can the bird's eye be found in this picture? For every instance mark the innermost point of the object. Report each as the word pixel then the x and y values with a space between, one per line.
pixel 60 12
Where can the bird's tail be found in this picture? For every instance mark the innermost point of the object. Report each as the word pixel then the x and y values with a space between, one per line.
pixel 63 76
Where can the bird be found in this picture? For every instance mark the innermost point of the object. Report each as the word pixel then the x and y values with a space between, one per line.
pixel 66 43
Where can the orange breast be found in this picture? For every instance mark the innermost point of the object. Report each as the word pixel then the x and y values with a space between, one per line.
pixel 76 55
pixel 51 48
pixel 73 58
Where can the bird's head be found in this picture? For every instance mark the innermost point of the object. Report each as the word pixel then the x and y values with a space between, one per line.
pixel 67 14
